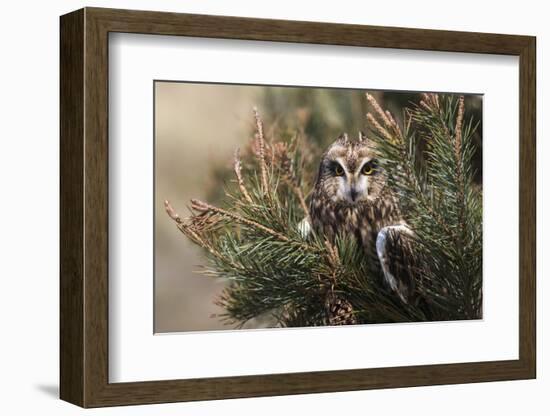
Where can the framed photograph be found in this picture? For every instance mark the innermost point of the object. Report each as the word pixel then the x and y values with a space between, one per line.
pixel 260 207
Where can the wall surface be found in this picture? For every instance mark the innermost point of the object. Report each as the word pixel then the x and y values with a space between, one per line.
pixel 29 211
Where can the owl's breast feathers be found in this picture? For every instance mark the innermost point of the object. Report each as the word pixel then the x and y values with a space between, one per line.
pixel 363 219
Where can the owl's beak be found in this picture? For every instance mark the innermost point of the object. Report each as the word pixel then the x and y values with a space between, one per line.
pixel 353 193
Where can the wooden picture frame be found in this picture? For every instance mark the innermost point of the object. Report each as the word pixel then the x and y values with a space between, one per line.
pixel 84 207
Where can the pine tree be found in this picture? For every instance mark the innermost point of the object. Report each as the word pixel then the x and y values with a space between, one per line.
pixel 254 238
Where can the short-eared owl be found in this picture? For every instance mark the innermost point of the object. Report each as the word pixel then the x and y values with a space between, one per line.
pixel 351 197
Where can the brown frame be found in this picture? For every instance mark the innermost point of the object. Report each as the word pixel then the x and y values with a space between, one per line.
pixel 84 209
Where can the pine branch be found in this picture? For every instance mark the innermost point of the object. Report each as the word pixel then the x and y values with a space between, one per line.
pixel 261 149
pixel 440 201
pixel 253 239
pixel 237 167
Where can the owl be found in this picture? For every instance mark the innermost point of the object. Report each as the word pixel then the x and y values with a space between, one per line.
pixel 351 198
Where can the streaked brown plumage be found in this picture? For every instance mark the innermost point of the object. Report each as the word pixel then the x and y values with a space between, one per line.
pixel 351 197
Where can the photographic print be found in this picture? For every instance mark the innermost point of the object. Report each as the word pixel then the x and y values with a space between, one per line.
pixel 285 206
pixel 273 204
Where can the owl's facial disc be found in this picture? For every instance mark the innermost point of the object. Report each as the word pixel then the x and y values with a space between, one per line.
pixel 349 173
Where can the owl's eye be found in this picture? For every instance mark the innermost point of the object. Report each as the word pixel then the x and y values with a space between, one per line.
pixel 338 170
pixel 368 169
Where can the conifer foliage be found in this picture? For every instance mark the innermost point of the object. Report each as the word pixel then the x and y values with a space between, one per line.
pixel 255 238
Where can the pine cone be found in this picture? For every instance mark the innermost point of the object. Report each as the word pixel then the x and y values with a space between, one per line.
pixel 340 311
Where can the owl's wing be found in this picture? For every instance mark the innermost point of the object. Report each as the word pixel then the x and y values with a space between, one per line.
pixel 395 252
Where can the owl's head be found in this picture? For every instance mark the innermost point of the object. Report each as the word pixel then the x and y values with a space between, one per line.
pixel 349 172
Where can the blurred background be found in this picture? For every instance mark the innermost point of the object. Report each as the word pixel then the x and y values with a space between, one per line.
pixel 197 128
